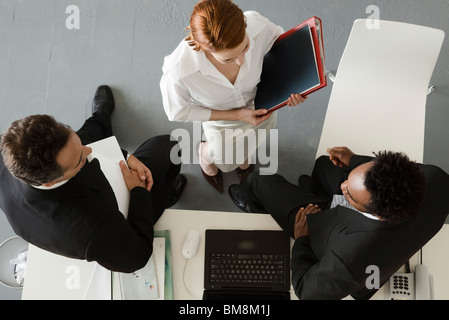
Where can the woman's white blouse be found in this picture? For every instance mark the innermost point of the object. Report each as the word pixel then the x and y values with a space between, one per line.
pixel 191 86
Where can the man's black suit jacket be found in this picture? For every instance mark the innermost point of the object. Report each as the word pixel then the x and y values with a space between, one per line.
pixel 81 219
pixel 332 262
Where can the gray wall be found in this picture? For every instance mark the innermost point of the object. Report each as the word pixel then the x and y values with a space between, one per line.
pixel 46 68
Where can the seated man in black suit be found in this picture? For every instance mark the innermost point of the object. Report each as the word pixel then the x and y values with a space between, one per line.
pixel 57 200
pixel 354 212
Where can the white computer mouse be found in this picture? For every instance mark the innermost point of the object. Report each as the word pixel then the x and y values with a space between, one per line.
pixel 191 244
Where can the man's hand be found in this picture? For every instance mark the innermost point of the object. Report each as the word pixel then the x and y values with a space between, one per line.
pixel 340 156
pixel 131 177
pixel 301 228
pixel 142 171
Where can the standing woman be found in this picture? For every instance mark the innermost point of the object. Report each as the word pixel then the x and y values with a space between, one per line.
pixel 212 77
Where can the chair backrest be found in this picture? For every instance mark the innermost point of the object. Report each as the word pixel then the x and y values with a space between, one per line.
pixel 379 95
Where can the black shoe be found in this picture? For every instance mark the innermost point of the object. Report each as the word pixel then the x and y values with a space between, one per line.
pixel 178 186
pixel 103 102
pixel 238 198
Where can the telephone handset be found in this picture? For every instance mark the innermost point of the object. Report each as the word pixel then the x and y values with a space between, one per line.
pixel 412 285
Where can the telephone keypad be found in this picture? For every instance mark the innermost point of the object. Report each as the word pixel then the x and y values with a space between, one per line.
pixel 402 286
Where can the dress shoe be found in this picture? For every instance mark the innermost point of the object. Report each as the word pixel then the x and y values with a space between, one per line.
pixel 243 173
pixel 178 186
pixel 238 198
pixel 215 181
pixel 103 102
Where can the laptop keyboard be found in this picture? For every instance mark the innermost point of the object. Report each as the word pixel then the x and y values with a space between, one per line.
pixel 246 269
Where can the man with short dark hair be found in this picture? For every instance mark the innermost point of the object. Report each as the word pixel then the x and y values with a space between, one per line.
pixel 353 212
pixel 56 199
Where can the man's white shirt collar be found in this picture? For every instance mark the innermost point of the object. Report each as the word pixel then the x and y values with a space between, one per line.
pixel 56 185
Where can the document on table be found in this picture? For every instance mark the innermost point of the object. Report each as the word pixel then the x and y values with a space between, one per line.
pixel 109 154
pixel 148 282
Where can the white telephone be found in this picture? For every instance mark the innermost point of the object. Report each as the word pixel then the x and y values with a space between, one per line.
pixel 416 285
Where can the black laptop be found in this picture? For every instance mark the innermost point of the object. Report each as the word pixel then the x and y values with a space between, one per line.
pixel 246 265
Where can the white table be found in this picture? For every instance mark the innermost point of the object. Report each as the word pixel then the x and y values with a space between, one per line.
pixel 54 277
pixel 435 255
pixel 50 276
pixel 379 96
pixel 179 222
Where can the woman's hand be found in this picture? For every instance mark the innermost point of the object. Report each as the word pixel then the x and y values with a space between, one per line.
pixel 296 99
pixel 254 117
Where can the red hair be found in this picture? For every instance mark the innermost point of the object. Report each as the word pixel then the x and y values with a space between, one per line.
pixel 216 25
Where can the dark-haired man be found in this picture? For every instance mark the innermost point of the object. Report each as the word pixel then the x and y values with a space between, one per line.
pixel 353 213
pixel 57 200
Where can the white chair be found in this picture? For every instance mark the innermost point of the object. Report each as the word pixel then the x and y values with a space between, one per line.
pixel 10 250
pixel 380 89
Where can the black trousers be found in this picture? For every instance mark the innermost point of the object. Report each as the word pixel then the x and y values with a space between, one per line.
pixel 275 195
pixel 153 153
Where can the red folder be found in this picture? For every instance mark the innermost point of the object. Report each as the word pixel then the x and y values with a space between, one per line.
pixel 284 69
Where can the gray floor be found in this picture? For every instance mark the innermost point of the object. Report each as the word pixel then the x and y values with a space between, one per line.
pixel 46 68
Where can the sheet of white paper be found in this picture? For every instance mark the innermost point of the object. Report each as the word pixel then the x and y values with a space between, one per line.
pixel 109 154
pixel 159 260
pixel 100 284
